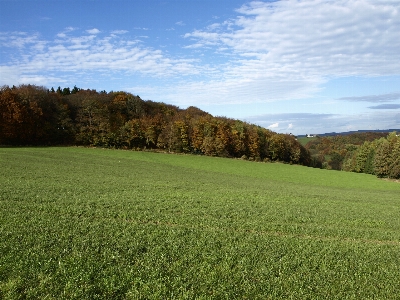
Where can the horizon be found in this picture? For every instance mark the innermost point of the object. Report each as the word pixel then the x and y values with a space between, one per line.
pixel 289 66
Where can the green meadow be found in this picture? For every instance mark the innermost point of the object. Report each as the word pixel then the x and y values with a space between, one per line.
pixel 80 223
pixel 304 140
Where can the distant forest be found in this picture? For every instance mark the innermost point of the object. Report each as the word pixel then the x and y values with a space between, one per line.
pixel 36 116
pixel 369 152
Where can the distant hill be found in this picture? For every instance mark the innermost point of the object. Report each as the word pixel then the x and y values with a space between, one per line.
pixel 351 132
pixel 332 149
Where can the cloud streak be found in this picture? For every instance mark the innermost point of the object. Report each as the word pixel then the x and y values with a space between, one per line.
pixel 386 106
pixel 374 98
pixel 88 53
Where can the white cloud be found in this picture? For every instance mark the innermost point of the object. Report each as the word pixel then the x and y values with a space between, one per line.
pixel 273 126
pixel 67 30
pixel 180 23
pixel 85 55
pixel 9 75
pixel 18 39
pixel 70 28
pixel 297 45
pixel 119 31
pixel 93 31
pixel 235 89
pixel 194 46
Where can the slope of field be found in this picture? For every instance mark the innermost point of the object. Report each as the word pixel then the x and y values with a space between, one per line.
pixel 78 223
pixel 304 140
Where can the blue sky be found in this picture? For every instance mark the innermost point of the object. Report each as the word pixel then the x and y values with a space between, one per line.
pixel 295 66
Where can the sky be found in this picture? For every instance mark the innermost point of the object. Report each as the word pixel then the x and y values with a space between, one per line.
pixel 292 66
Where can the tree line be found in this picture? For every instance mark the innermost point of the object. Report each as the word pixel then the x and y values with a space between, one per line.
pixel 380 157
pixel 370 152
pixel 35 115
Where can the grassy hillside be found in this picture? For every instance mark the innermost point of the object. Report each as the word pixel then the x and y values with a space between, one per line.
pixel 80 223
pixel 304 140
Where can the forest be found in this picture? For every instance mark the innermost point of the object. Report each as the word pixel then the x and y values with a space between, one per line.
pixel 35 115
pixel 370 152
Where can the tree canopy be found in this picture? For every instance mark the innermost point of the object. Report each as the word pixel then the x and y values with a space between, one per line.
pixel 370 152
pixel 34 115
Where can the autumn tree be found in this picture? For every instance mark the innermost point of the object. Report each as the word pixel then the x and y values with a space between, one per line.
pixel 11 116
pixel 36 115
pixel 32 115
pixel 91 119
pixel 239 136
pixel 132 134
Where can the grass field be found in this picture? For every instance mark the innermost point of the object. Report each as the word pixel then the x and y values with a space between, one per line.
pixel 78 223
pixel 305 140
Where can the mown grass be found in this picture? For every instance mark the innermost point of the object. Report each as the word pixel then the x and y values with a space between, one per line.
pixel 79 223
